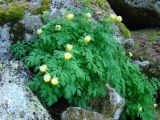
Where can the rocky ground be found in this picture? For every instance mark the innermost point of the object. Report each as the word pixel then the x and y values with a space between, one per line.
pixel 147 48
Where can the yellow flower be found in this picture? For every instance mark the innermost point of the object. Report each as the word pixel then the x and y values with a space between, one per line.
pixel 67 56
pixel 58 27
pixel 47 77
pixel 155 105
pixel 70 16
pixel 54 81
pixel 39 31
pixel 88 15
pixel 130 54
pixel 140 109
pixel 43 68
pixel 113 16
pixel 69 47
pixel 119 18
pixel 87 39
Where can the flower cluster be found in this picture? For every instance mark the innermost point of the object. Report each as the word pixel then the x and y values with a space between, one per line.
pixel 116 18
pixel 58 27
pixel 47 77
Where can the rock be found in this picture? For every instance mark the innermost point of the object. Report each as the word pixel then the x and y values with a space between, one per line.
pixel 76 113
pixel 108 108
pixel 142 64
pixel 31 22
pixel 5 44
pixel 138 13
pixel 110 105
pixel 17 102
pixel 13 71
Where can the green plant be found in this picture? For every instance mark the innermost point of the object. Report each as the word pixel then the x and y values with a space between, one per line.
pixel 73 57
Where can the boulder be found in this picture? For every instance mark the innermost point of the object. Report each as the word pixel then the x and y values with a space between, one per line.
pixel 138 13
pixel 107 108
pixel 13 71
pixel 5 42
pixel 76 113
pixel 17 102
pixel 110 105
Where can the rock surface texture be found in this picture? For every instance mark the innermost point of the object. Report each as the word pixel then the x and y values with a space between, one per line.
pixel 138 13
pixel 76 113
pixel 17 102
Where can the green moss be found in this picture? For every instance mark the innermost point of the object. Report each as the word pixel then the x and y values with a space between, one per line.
pixel 123 29
pixel 153 35
pixel 11 13
pixel 103 4
pixel 45 5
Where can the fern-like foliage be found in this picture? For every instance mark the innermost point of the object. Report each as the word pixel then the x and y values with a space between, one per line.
pixel 94 63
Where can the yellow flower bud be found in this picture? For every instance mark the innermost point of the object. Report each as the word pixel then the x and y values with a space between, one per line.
pixel 39 31
pixel 70 16
pixel 58 27
pixel 113 16
pixel 43 68
pixel 69 47
pixel 87 39
pixel 47 77
pixel 88 15
pixel 67 56
pixel 54 81
pixel 130 54
pixel 155 105
pixel 119 18
pixel 140 109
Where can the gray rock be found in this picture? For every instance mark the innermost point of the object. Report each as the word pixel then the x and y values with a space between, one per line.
pixel 17 102
pixel 142 64
pixel 31 22
pixel 110 105
pixel 13 71
pixel 76 113
pixel 4 43
pixel 138 13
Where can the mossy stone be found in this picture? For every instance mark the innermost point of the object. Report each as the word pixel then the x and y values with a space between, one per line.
pixel 45 5
pixel 12 13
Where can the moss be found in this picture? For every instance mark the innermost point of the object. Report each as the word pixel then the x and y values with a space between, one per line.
pixel 153 35
pixel 103 4
pixel 123 29
pixel 12 13
pixel 45 5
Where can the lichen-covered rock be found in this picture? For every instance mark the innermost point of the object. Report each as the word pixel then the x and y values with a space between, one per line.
pixel 17 102
pixel 76 113
pixel 13 71
pixel 108 108
pixel 4 43
pixel 110 105
pixel 31 22
pixel 138 13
